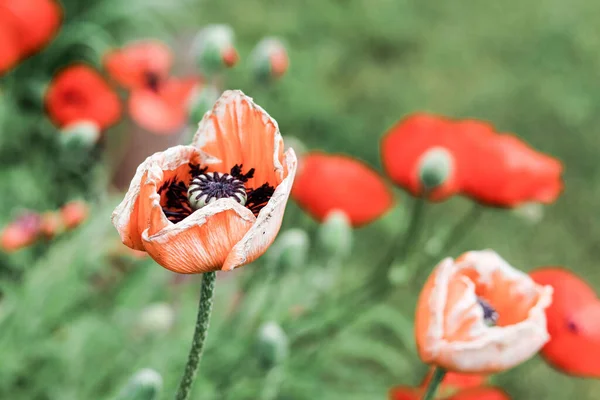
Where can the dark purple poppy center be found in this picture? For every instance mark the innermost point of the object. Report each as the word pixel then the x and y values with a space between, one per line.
pixel 152 80
pixel 490 315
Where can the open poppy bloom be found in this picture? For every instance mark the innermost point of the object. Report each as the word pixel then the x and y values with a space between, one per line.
pixel 494 169
pixel 80 93
pixel 477 314
pixel 162 109
pixel 337 182
pixel 217 204
pixel 21 232
pixel 573 323
pixel 142 64
pixel 455 386
pixel 33 23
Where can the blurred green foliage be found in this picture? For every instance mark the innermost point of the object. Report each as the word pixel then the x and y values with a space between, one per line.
pixel 69 321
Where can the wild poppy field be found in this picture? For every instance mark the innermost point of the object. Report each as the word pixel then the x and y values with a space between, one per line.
pixel 258 200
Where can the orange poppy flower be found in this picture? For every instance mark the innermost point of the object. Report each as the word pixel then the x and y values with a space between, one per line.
pixel 573 323
pixel 163 109
pixel 80 93
pixel 460 301
pixel 74 213
pixel 494 169
pixel 217 204
pixel 35 22
pixel 336 182
pixel 22 232
pixel 140 64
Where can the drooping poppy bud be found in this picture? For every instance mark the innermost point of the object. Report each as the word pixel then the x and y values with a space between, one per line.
pixel 74 213
pixel 335 234
pixel 85 133
pixel 272 345
pixel 270 60
pixel 214 49
pixel 144 385
pixel 435 167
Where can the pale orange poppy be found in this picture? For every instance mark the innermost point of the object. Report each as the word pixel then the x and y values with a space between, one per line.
pixel 477 314
pixel 238 179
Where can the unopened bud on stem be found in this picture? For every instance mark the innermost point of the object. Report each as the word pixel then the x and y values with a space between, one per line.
pixel 435 166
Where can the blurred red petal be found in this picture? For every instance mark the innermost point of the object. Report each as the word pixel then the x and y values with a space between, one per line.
pixel 573 323
pixel 21 232
pixel 134 65
pixel 79 93
pixel 481 393
pixel 163 111
pixel 327 182
pixel 10 52
pixel 405 393
pixel 36 21
pixel 456 380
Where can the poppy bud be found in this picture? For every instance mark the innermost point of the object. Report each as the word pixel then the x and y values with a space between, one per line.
pixel 335 234
pixel 214 49
pixel 81 132
pixel 156 318
pixel 201 102
pixel 269 59
pixel 291 249
pixel 272 345
pixel 435 167
pixel 532 213
pixel 74 213
pixel 144 385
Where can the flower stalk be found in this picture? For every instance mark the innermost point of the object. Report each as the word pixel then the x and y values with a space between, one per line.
pixel 200 333
pixel 436 380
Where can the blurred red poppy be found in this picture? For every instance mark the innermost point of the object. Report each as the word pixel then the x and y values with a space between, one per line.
pixel 492 168
pixel 456 380
pixel 142 64
pixel 573 323
pixel 74 213
pixel 36 22
pixel 79 93
pixel 162 109
pixel 328 182
pixel 9 47
pixel 478 393
pixel 21 232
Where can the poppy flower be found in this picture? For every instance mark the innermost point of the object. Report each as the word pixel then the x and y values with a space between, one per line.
pixel 140 64
pixel 477 314
pixel 336 182
pixel 35 22
pixel 162 109
pixel 10 52
pixel 217 204
pixel 494 169
pixel 21 232
pixel 573 323
pixel 74 213
pixel 80 93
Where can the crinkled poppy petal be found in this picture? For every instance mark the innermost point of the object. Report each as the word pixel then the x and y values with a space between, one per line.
pixel 164 111
pixel 36 21
pixel 406 142
pixel 201 242
pixel 573 323
pixel 133 65
pixel 450 328
pixel 263 232
pixel 133 215
pixel 80 93
pixel 481 393
pixel 239 132
pixel 405 393
pixel 328 182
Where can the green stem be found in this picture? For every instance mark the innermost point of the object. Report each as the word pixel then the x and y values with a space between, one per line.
pixel 272 383
pixel 202 322
pixel 436 379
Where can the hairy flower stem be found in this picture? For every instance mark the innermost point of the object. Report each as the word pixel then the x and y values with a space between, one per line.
pixel 436 379
pixel 202 322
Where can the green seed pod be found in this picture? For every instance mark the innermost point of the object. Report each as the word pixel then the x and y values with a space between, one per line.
pixel 335 234
pixel 272 345
pixel 435 167
pixel 146 384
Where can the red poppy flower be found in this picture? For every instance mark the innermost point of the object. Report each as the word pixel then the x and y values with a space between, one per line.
pixel 494 169
pixel 456 380
pixel 9 47
pixel 328 182
pixel 573 323
pixel 21 232
pixel 80 93
pixel 36 22
pixel 139 64
pixel 162 109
